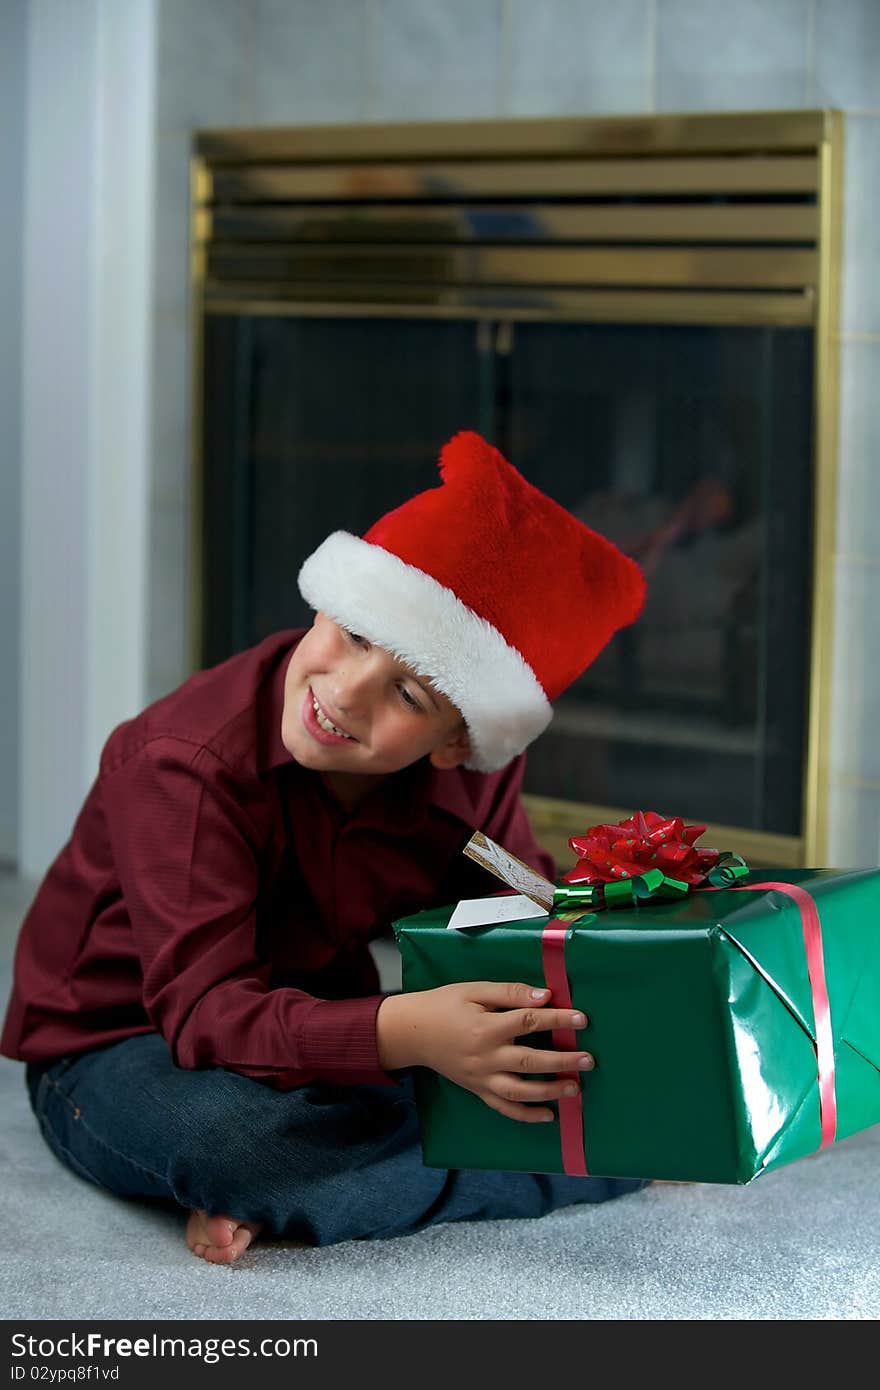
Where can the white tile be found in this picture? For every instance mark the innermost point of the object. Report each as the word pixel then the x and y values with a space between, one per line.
pixel 853 827
pixel 431 61
pixel 170 479
pixel 847 54
pixel 860 290
pixel 858 463
pixel 855 684
pixel 579 57
pixel 171 275
pixel 310 61
pixel 716 56
pixel 161 683
pixel 205 63
pixel 168 590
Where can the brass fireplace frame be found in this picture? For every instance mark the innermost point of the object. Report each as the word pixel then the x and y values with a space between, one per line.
pixel 343 220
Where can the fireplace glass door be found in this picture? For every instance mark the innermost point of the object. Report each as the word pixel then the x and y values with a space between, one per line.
pixel 689 446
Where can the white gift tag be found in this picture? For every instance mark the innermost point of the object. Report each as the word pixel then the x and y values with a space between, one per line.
pixel 485 912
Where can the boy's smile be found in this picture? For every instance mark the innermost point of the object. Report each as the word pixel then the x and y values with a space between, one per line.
pixel 352 710
pixel 320 725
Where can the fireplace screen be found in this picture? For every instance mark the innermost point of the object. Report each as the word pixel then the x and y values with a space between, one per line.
pixel 687 432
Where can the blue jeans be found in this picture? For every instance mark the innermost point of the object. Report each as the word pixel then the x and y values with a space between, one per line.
pixel 319 1164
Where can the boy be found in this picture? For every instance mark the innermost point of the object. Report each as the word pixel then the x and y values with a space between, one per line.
pixel 194 994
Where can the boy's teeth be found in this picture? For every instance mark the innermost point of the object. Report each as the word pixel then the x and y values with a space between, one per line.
pixel 325 722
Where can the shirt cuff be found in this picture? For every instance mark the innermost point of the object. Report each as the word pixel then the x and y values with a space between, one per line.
pixel 340 1037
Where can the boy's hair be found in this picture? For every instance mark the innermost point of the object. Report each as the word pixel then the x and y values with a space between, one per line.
pixel 485 585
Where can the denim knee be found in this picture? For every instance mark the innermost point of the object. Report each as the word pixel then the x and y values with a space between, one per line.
pixel 75 1134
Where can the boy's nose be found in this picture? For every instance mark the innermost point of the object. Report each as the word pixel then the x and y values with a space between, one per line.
pixel 352 686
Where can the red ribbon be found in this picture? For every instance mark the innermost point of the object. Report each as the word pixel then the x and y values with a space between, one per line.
pixel 571 1110
pixel 571 1116
pixel 824 1044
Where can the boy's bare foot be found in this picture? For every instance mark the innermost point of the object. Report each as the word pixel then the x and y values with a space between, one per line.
pixel 219 1239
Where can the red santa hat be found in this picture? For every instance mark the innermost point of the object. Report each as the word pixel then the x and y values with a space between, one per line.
pixel 487 587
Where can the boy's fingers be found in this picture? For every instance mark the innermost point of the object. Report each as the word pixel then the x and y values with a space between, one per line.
pixel 532 1114
pixel 517 1023
pixel 508 995
pixel 533 1061
pixel 514 1089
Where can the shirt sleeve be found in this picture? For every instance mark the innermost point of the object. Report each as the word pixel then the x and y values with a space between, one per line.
pixel 188 854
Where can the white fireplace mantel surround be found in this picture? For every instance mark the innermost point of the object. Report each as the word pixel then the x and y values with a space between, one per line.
pixel 112 94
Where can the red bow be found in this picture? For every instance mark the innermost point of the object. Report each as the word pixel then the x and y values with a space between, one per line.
pixel 643 841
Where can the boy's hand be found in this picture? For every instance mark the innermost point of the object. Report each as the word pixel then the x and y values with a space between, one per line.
pixel 467 1033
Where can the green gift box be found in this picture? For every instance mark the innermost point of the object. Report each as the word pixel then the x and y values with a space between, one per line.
pixel 716 1058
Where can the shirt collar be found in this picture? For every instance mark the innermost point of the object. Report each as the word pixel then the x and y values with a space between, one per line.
pixel 448 792
pixel 402 802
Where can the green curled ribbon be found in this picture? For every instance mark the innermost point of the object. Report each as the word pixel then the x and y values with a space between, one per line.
pixel 653 883
pixel 568 896
pixel 728 869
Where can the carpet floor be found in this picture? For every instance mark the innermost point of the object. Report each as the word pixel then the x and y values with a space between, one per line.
pixel 801 1243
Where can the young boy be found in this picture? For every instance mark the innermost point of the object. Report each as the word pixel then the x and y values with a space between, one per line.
pixel 194 992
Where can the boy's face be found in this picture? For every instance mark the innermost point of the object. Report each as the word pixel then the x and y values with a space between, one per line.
pixel 384 716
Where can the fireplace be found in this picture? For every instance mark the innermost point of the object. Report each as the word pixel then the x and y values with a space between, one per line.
pixel 641 313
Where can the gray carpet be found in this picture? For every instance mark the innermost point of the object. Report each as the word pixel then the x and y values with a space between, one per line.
pixel 800 1243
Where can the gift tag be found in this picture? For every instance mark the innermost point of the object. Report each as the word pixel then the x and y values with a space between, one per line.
pixel 510 870
pixel 486 912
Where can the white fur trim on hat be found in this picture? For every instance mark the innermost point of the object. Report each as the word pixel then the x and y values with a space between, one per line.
pixel 405 611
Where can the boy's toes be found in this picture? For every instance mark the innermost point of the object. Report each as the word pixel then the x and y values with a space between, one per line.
pixel 195 1231
pixel 226 1254
pixel 219 1230
pixel 219 1239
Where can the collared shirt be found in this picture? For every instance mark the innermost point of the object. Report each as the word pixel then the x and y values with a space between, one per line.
pixel 215 891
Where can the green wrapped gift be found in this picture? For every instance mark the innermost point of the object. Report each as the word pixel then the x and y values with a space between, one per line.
pixel 734 1030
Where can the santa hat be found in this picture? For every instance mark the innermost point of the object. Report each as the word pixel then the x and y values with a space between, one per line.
pixel 487 587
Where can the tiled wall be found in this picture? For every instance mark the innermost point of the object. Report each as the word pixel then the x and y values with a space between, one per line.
pixel 289 62
pixel 13 34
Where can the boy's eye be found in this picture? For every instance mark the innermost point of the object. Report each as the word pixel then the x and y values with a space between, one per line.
pixel 357 638
pixel 408 699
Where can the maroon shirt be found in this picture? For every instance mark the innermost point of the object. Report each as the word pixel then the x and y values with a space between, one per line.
pixel 215 891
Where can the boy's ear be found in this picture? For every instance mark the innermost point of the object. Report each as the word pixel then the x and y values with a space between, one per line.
pixel 454 750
